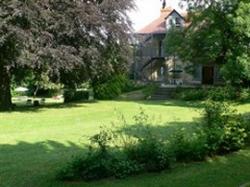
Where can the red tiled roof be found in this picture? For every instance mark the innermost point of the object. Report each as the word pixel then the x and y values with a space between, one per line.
pixel 158 25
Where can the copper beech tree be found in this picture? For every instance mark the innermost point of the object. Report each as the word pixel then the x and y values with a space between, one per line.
pixel 67 40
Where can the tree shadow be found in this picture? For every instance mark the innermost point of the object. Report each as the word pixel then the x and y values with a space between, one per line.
pixel 34 164
pixel 169 103
pixel 26 108
pixel 163 131
pixel 246 115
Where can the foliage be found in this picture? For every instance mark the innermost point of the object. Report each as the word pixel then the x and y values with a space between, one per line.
pixel 223 127
pixel 174 37
pixel 115 154
pixel 191 94
pixel 247 126
pixel 225 93
pixel 101 161
pixel 96 165
pixel 245 94
pixel 149 152
pixel 68 41
pixel 215 93
pixel 71 95
pixel 149 90
pixel 36 154
pixel 218 33
pixel 189 147
pixel 113 87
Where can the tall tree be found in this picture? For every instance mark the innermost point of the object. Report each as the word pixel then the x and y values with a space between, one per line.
pixel 218 33
pixel 64 39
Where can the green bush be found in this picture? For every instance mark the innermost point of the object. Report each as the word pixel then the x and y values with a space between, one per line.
pixel 101 161
pixel 107 158
pixel 125 167
pixel 113 88
pixel 93 166
pixel 189 148
pixel 149 153
pixel 71 95
pixel 191 94
pixel 245 94
pixel 116 154
pixel 225 93
pixel 235 134
pixel 97 164
pixel 149 90
pixel 247 125
pixel 224 128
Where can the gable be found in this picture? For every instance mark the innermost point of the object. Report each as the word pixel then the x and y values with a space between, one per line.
pixel 159 26
pixel 174 19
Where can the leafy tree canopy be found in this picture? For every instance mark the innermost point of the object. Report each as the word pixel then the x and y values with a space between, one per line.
pixel 219 32
pixel 65 40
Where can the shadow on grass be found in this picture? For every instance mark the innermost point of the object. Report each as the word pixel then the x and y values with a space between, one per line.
pixel 25 108
pixel 246 115
pixel 164 131
pixel 168 103
pixel 34 164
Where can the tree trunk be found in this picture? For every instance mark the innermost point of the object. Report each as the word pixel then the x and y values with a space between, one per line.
pixel 5 93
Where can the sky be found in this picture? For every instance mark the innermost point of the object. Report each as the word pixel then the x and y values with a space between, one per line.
pixel 148 10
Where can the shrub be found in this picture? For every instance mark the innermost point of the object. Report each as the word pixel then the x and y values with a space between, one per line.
pixel 247 125
pixel 147 150
pixel 189 148
pixel 149 90
pixel 225 93
pixel 97 164
pixel 149 153
pixel 101 161
pixel 106 156
pixel 224 128
pixel 93 166
pixel 115 154
pixel 125 167
pixel 234 134
pixel 245 95
pixel 131 86
pixel 191 94
pixel 112 88
pixel 71 95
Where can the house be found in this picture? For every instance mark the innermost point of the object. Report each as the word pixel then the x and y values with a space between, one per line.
pixel 153 64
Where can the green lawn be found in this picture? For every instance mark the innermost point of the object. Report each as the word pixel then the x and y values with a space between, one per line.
pixel 35 143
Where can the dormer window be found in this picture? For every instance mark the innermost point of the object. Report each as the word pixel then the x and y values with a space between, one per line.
pixel 174 22
pixel 177 22
pixel 171 22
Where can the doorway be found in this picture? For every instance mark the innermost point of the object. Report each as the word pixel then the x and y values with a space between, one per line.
pixel 208 75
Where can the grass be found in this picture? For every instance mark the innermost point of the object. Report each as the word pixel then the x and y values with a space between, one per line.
pixel 36 142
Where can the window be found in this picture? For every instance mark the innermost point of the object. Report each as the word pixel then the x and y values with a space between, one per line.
pixel 171 23
pixel 162 71
pixel 177 22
